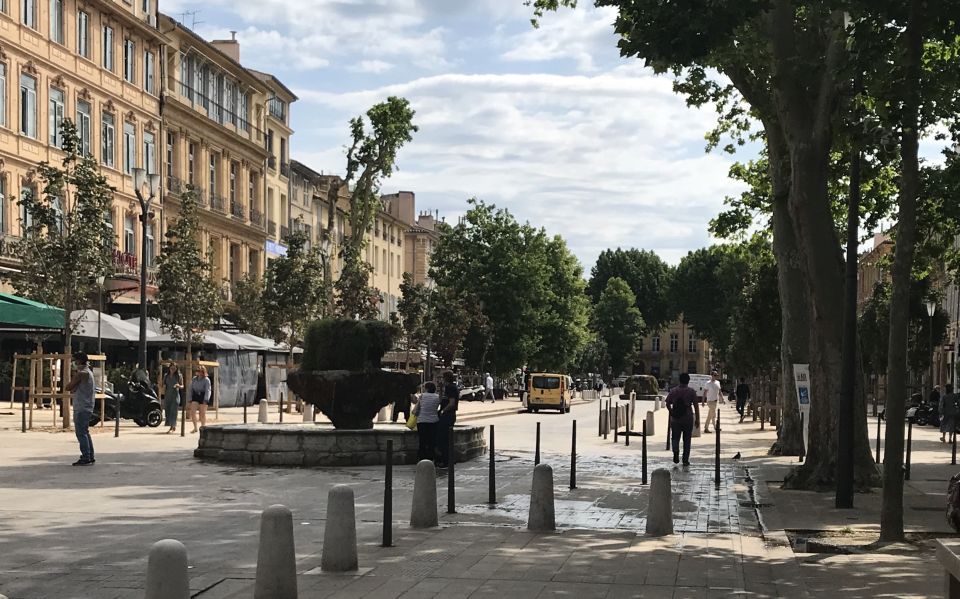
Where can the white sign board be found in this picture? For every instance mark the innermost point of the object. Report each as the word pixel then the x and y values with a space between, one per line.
pixel 801 378
pixel 698 382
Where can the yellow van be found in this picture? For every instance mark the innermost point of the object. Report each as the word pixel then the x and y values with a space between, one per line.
pixel 549 391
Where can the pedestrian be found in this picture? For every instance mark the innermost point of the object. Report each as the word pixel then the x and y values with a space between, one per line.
pixel 684 411
pixel 949 410
pixel 172 383
pixel 711 395
pixel 743 394
pixel 449 401
pixel 401 405
pixel 427 411
pixel 82 393
pixel 199 397
pixel 488 389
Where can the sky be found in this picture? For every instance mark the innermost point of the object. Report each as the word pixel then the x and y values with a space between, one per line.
pixel 549 123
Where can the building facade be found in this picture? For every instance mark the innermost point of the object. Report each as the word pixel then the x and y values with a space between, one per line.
pixel 279 209
pixel 420 234
pixel 96 63
pixel 675 349
pixel 214 117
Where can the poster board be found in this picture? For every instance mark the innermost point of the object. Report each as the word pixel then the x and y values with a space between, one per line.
pixel 698 382
pixel 801 379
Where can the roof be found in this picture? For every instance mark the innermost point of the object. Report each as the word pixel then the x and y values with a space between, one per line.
pixel 246 73
pixel 21 312
pixel 270 78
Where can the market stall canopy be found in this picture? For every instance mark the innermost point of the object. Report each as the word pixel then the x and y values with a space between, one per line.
pixel 218 339
pixel 20 312
pixel 111 327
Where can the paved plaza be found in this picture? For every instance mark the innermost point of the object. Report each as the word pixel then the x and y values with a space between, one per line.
pixel 85 532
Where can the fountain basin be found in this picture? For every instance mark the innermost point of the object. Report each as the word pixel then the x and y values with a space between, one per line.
pixel 320 444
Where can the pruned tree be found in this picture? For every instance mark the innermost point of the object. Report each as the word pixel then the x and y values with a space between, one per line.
pixel 67 240
pixel 247 313
pixel 413 308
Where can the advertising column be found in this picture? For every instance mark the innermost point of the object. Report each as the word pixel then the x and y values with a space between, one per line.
pixel 801 377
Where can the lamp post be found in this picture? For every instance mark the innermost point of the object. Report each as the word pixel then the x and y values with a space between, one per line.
pixel 148 183
pixel 428 370
pixel 931 310
pixel 100 280
pixel 325 256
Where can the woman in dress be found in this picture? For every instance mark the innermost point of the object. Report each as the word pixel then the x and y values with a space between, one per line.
pixel 172 383
pixel 199 397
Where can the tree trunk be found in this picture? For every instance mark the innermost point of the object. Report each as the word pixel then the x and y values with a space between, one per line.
pixel 65 373
pixel 891 512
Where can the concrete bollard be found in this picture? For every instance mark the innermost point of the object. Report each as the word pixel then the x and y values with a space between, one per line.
pixel 167 571
pixel 382 414
pixel 423 513
pixel 339 552
pixel 650 429
pixel 660 506
pixel 656 404
pixel 541 516
pixel 264 416
pixel 276 558
pixel 308 412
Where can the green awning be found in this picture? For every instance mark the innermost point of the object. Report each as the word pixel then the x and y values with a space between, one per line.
pixel 21 312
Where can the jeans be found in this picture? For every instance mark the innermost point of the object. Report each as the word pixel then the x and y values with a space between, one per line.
pixel 81 424
pixel 678 428
pixel 170 408
pixel 443 435
pixel 741 405
pixel 427 434
pixel 489 395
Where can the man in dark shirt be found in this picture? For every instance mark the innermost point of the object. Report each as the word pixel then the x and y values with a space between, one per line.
pixel 684 410
pixel 449 400
pixel 743 394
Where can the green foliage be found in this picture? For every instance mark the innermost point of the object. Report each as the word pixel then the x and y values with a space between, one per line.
pixel 516 290
pixel 755 322
pixel 189 298
pixel 593 357
pixel 448 319
pixel 346 344
pixel 248 299
pixel 618 323
pixel 67 241
pixel 412 309
pixel 293 289
pixel 647 275
pixel 371 156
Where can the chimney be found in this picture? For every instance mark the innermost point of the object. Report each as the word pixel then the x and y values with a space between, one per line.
pixel 230 47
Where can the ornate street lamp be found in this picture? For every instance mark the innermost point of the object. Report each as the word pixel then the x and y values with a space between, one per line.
pixel 931 310
pixel 146 186
pixel 100 280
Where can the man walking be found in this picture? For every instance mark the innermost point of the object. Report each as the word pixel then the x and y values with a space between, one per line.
pixel 711 394
pixel 488 389
pixel 684 411
pixel 82 394
pixel 743 394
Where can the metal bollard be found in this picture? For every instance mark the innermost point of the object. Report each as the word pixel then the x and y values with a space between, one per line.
pixel 763 417
pixel 668 433
pixel 388 498
pixel 953 451
pixel 643 454
pixel 183 419
pixel 600 419
pixel 626 441
pixel 573 457
pixel 244 410
pixel 281 406
pixel 492 478
pixel 23 415
pixel 536 453
pixel 878 439
pixel 803 448
pixel 906 467
pixel 716 459
pixel 451 489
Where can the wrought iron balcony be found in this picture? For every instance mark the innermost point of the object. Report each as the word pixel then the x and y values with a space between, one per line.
pixel 285 169
pixel 271 228
pixel 284 231
pixel 236 209
pixel 174 186
pixel 256 218
pixel 217 203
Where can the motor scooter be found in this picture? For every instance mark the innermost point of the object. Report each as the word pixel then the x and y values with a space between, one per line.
pixel 139 404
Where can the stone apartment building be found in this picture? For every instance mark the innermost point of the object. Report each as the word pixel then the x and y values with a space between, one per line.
pixel 281 210
pixel 98 64
pixel 675 349
pixel 420 234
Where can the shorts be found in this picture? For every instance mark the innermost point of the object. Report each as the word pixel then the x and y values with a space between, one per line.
pixel 201 401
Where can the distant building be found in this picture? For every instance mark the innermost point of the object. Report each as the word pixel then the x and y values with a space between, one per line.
pixel 871 268
pixel 675 349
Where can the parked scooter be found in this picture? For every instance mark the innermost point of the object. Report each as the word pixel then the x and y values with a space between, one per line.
pixel 923 412
pixel 140 404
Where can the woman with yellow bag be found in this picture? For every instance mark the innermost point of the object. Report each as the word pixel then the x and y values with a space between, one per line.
pixel 426 414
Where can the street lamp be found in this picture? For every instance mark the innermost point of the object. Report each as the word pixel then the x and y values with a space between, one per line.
pixel 931 310
pixel 325 246
pixel 100 280
pixel 428 370
pixel 149 184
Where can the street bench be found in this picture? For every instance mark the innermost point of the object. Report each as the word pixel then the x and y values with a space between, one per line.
pixel 948 553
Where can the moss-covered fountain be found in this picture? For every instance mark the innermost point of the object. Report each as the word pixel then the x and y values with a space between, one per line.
pixel 341 376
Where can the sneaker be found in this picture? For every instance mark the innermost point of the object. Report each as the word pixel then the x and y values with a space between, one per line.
pixel 83 462
pixel 676 459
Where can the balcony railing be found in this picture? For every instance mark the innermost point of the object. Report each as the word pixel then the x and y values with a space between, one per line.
pixel 236 209
pixel 271 228
pixel 256 218
pixel 284 231
pixel 218 112
pixel 175 186
pixel 217 203
pixel 285 169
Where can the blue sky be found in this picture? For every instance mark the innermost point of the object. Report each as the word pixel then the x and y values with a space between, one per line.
pixel 549 123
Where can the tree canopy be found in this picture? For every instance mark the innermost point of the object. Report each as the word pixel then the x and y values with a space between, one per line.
pixel 618 323
pixel 648 276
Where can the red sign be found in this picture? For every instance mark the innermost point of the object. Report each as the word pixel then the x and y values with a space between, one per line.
pixel 124 259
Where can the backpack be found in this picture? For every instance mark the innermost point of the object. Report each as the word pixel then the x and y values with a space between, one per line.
pixel 953 503
pixel 678 409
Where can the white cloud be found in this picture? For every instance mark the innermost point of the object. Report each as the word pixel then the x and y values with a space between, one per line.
pixel 580 35
pixel 372 66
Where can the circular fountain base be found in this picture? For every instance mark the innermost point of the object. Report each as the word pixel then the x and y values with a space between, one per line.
pixel 320 444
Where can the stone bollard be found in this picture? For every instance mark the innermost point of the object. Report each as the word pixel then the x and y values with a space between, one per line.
pixel 276 558
pixel 541 517
pixel 656 404
pixel 167 571
pixel 339 552
pixel 264 416
pixel 660 506
pixel 423 514
pixel 382 414
pixel 308 412
pixel 650 430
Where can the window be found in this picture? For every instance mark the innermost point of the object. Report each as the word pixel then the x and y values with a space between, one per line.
pixel 191 163
pixel 83 34
pixel 56 21
pixel 26 220
pixel 108 48
pixel 233 182
pixel 129 147
pixel 108 134
pixel 84 126
pixel 640 344
pixel 56 117
pixel 655 343
pixel 150 246
pixel 169 160
pixel 148 67
pixel 129 237
pixel 3 94
pixel 129 51
pixel 278 108
pixel 674 342
pixel 28 13
pixel 692 343
pixel 270 141
pixel 146 7
pixel 230 116
pixel 252 191
pixel 213 174
pixel 149 153
pixel 28 106
pixel 56 205
pixel 384 263
pixel 283 151
pixel 3 205
pixel 244 109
